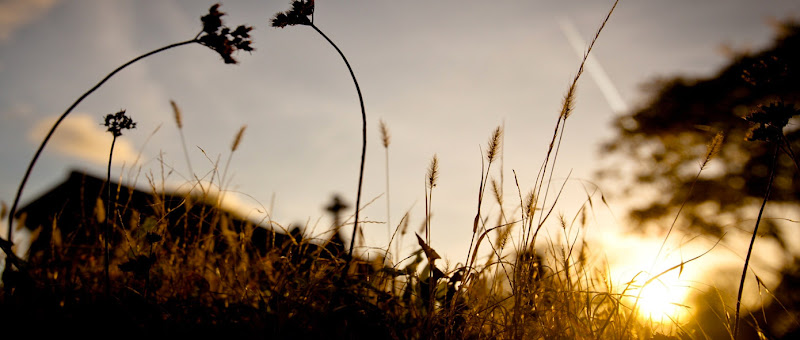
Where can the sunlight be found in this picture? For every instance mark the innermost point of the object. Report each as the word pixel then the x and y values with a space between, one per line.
pixel 662 300
pixel 665 299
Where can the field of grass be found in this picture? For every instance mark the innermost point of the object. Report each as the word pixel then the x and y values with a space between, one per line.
pixel 189 267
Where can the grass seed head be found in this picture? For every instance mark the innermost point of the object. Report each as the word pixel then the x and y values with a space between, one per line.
pixel 433 172
pixel 494 144
pixel 498 192
pixel 238 138
pixel 713 148
pixel 529 204
pixel 385 137
pixel 177 111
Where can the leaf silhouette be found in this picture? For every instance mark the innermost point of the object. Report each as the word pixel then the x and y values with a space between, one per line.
pixel 429 252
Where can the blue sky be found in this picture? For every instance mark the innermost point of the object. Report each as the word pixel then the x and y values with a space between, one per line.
pixel 442 75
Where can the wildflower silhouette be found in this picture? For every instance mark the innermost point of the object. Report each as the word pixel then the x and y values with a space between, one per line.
pixel 768 122
pixel 214 35
pixel 220 38
pixel 115 122
pixel 298 15
pixel 302 13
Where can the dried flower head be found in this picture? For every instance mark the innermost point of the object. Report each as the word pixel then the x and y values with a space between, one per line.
pixel 494 144
pixel 221 39
pixel 768 121
pixel 433 172
pixel 530 204
pixel 116 122
pixel 177 111
pixel 238 138
pixel 498 192
pixel 385 136
pixel 213 20
pixel 300 14
pixel 713 148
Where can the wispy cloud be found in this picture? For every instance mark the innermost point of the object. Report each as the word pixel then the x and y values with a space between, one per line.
pixel 17 13
pixel 82 136
pixel 593 67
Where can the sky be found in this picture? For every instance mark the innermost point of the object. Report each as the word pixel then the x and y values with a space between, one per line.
pixel 441 75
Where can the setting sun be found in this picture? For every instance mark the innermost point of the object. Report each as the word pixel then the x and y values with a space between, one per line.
pixel 665 293
pixel 662 300
pixel 634 148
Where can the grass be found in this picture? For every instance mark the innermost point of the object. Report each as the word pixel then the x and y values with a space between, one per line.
pixel 190 267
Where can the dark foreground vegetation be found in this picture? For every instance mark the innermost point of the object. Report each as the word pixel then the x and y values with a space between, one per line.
pixel 111 260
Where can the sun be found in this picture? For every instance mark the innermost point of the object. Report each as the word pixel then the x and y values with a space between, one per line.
pixel 661 291
pixel 663 299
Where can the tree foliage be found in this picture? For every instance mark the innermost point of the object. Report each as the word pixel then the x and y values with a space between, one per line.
pixel 667 138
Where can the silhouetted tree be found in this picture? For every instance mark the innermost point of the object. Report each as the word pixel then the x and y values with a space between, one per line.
pixel 666 137
pixel 750 100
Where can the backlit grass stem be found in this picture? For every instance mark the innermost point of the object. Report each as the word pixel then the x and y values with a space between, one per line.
pixel 386 138
pixel 753 241
pixel 179 122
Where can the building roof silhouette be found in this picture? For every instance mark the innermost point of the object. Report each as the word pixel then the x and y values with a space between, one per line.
pixel 74 211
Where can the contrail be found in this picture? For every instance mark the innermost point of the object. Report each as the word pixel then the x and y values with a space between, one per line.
pixel 593 67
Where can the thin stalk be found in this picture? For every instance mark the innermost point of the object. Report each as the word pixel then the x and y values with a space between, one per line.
pixel 386 252
pixel 566 110
pixel 788 149
pixel 106 229
pixel 224 180
pixel 386 141
pixel 186 154
pixel 64 115
pixel 388 204
pixel 752 242
pixel 427 215
pixel 430 211
pixel 115 123
pixel 363 136
pixel 477 221
pixel 179 122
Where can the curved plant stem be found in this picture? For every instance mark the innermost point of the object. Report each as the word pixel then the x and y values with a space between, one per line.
pixel 753 241
pixel 64 115
pixel 364 139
